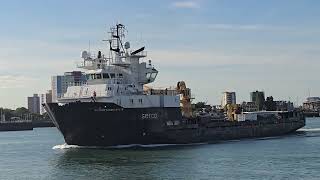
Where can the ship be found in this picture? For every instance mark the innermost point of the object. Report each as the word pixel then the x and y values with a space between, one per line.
pixel 14 123
pixel 116 106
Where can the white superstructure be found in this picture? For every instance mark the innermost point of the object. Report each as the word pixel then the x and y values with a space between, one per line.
pixel 118 78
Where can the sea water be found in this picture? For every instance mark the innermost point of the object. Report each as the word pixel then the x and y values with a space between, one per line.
pixel 42 154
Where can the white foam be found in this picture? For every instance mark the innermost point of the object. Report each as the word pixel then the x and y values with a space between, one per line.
pixel 65 146
pixel 309 129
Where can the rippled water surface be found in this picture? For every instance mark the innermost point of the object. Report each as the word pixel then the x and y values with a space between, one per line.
pixel 42 154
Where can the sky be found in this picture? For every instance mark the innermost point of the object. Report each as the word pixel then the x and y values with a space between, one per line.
pixel 213 45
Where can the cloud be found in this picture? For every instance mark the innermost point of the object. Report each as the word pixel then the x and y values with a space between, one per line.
pixel 276 55
pixel 241 27
pixel 210 58
pixel 34 58
pixel 12 81
pixel 186 4
pixel 235 27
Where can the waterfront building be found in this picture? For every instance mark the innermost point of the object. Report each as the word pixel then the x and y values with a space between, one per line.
pixel 271 105
pixel 45 98
pixel 249 107
pixel 228 98
pixel 284 106
pixel 34 104
pixel 258 98
pixel 60 83
pixel 218 107
pixel 312 104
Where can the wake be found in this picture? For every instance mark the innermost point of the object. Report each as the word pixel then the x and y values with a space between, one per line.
pixel 309 129
pixel 66 146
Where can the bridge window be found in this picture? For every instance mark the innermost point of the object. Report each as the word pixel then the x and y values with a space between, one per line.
pixel 148 75
pixel 151 76
pixel 105 76
pixel 120 75
pixel 98 76
pixel 154 75
pixel 112 75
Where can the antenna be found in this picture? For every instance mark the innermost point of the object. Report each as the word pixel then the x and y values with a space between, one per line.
pixel 89 47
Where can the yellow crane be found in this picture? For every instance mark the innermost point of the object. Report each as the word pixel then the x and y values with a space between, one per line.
pixel 185 99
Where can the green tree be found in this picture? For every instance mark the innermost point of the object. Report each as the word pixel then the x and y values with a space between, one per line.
pixel 21 111
pixel 200 105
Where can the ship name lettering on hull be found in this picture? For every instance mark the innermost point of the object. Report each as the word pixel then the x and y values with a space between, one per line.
pixel 107 110
pixel 149 116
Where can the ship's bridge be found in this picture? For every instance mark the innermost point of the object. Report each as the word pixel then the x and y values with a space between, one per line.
pixel 102 76
pixel 122 73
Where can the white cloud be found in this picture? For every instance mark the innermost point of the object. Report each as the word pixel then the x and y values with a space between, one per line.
pixel 186 4
pixel 39 57
pixel 235 27
pixel 11 81
pixel 224 57
pixel 241 27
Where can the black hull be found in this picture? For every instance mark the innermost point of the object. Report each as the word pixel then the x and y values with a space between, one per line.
pixel 311 114
pixel 106 124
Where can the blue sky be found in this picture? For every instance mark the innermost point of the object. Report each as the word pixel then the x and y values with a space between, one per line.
pixel 214 45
